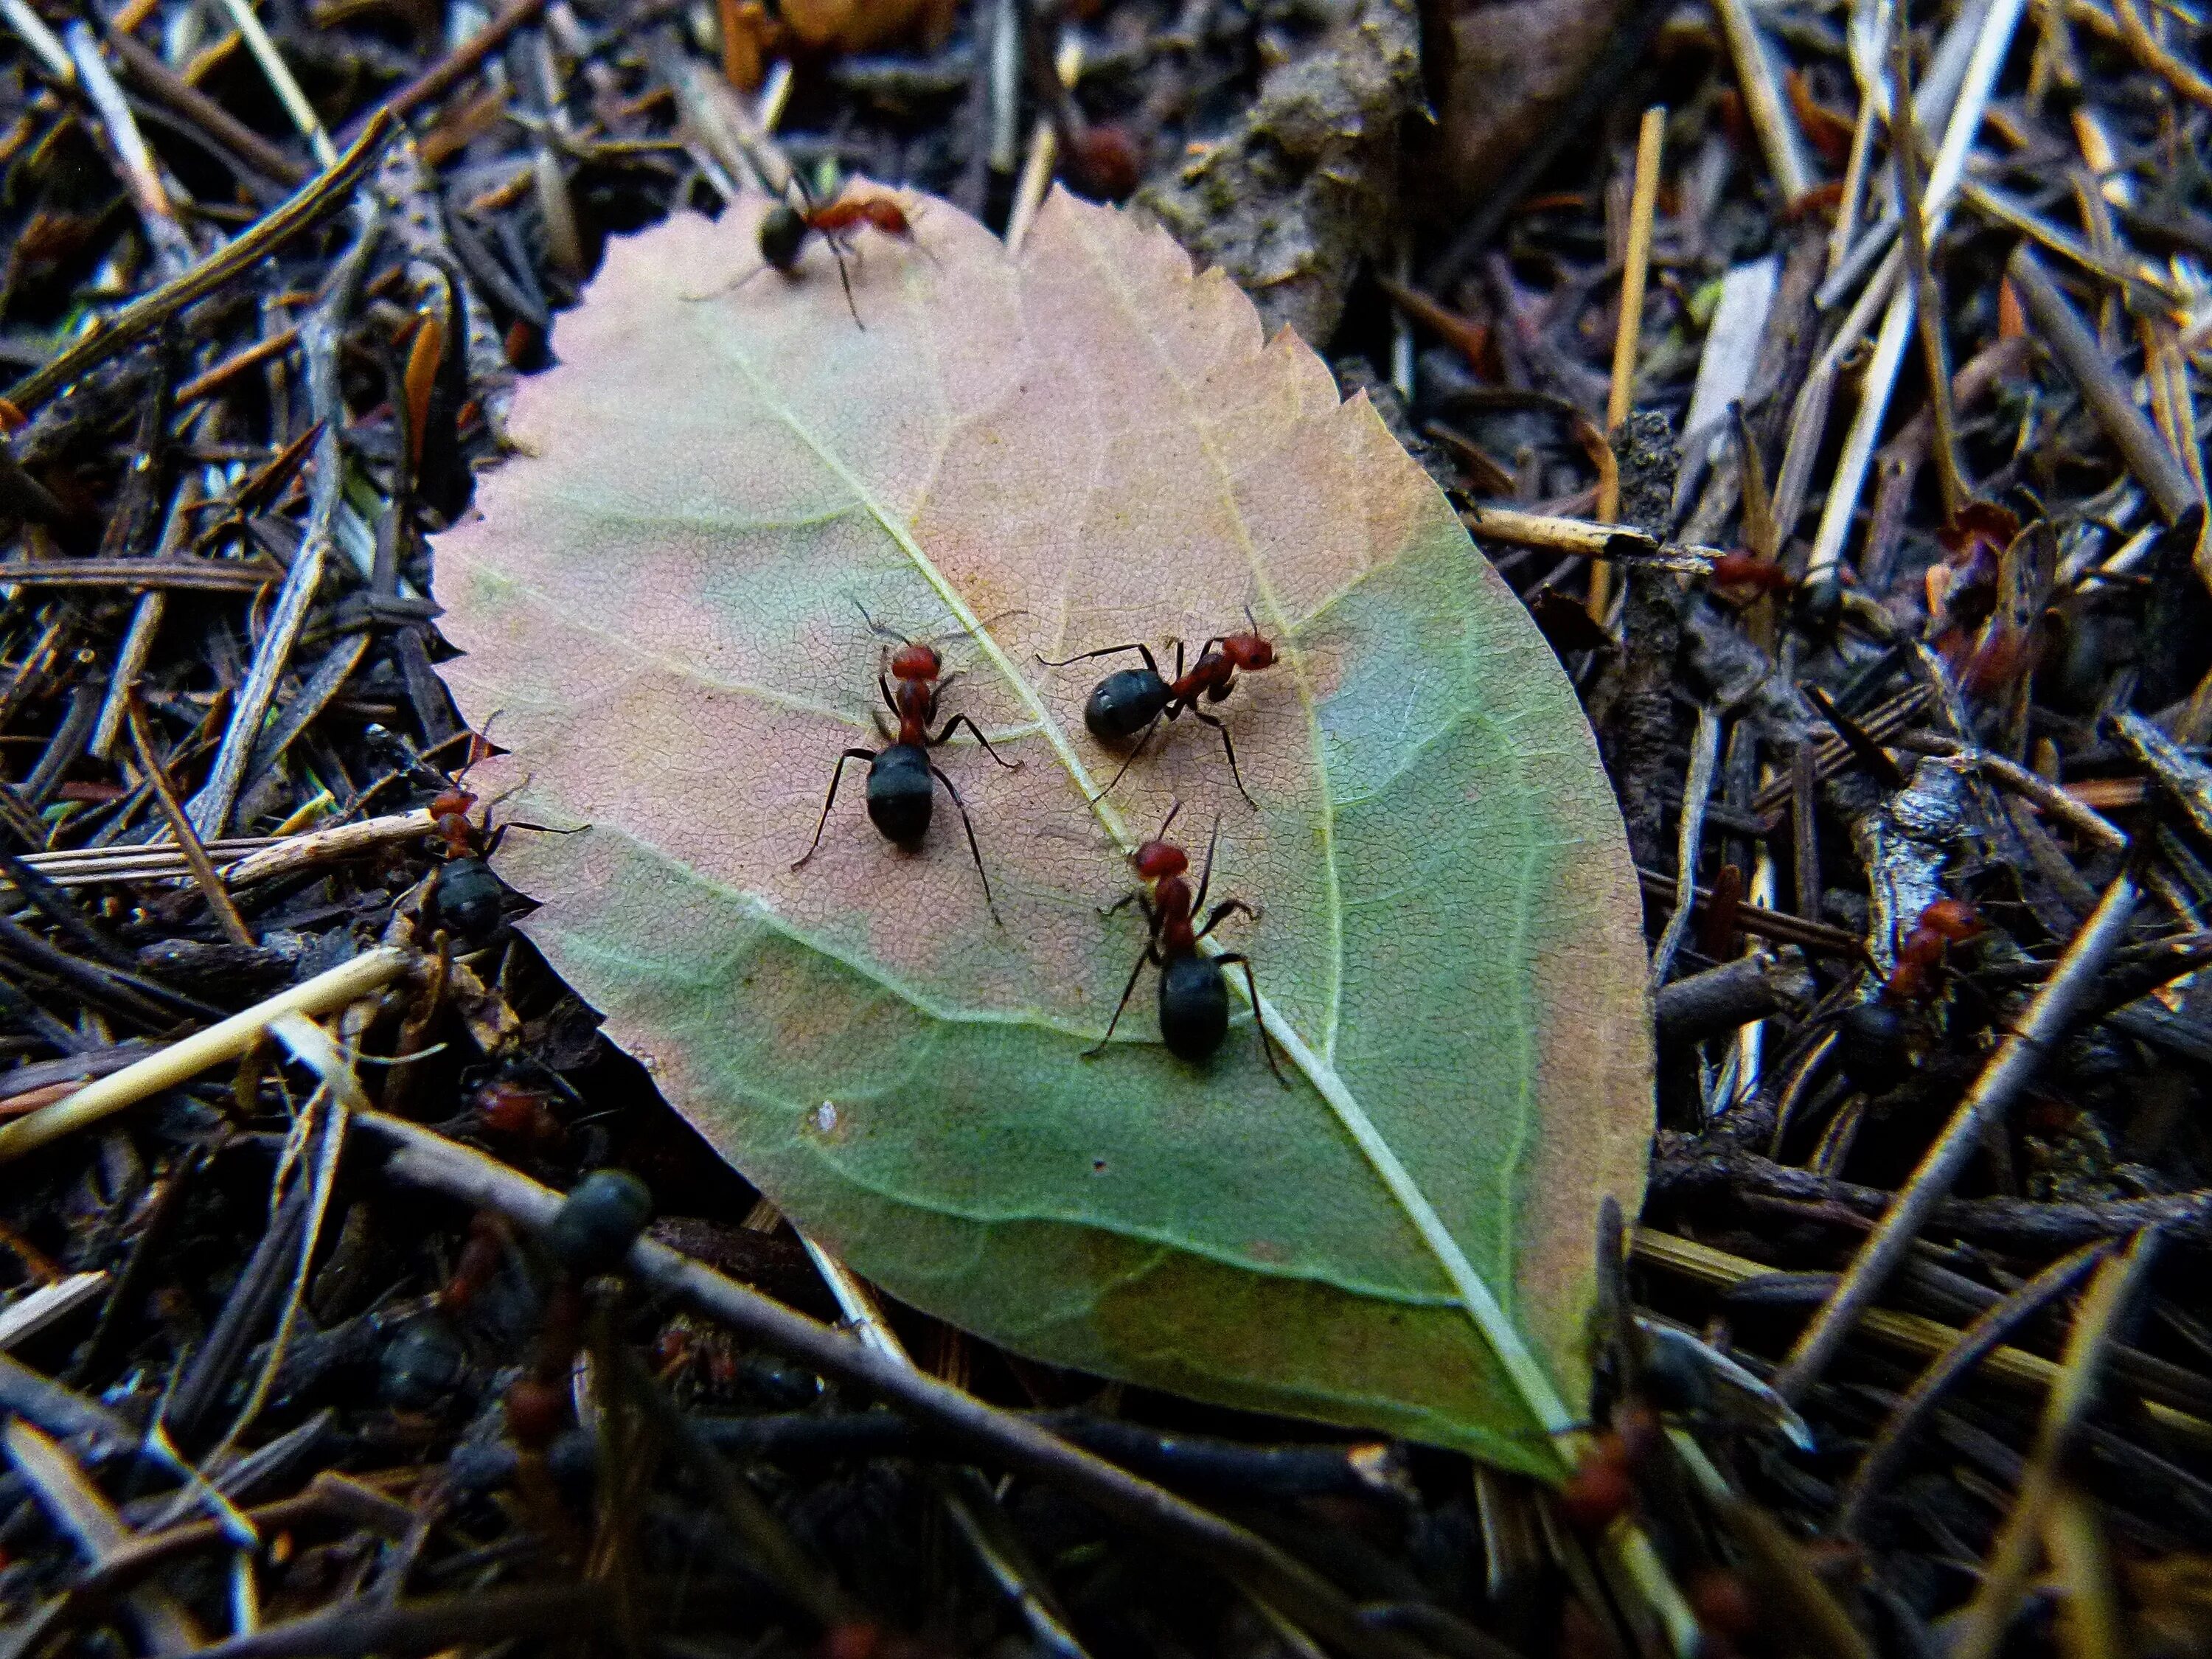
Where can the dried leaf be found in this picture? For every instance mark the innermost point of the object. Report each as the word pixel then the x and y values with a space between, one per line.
pixel 1085 445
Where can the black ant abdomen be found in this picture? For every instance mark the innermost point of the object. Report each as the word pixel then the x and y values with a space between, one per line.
pixel 1194 1007
pixel 901 793
pixel 1124 703
pixel 470 897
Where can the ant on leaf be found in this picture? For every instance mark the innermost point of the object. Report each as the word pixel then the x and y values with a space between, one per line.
pixel 784 230
pixel 1194 995
pixel 901 796
pixel 469 896
pixel 1131 702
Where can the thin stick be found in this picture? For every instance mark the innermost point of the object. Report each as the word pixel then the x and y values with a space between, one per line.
pixel 457 66
pixel 2071 984
pixel 423 1158
pixel 1976 1343
pixel 207 385
pixel 2062 333
pixel 1928 305
pixel 182 1061
pixel 2183 79
pixel 144 65
pixel 278 74
pixel 1043 152
pixel 1762 100
pixel 321 336
pixel 1697 788
pixel 1623 543
pixel 2011 774
pixel 1854 186
pixel 1990 46
pixel 1629 335
pixel 180 826
pixel 173 249
pixel 45 45
pixel 1915 1335
pixel 1983 1626
pixel 144 316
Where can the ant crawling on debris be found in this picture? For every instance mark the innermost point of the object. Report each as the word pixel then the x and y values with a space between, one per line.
pixel 1194 996
pixel 469 896
pixel 1133 702
pixel 1945 922
pixel 901 799
pixel 1742 570
pixel 784 230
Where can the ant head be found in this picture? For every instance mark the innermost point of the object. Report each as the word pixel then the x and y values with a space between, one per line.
pixel 912 661
pixel 1156 860
pixel 782 234
pixel 1160 857
pixel 1248 651
pixel 453 804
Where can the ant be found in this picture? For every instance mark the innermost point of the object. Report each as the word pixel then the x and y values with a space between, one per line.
pixel 1748 570
pixel 470 897
pixel 1920 958
pixel 1131 702
pixel 1194 996
pixel 901 799
pixel 784 230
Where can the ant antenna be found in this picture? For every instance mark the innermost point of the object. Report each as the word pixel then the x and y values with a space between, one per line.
pixel 1170 818
pixel 1251 621
pixel 879 628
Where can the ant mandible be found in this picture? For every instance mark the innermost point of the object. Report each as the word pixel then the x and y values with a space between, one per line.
pixel 1194 996
pixel 901 797
pixel 784 230
pixel 1133 702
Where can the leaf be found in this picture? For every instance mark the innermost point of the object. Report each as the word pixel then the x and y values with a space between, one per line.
pixel 1086 445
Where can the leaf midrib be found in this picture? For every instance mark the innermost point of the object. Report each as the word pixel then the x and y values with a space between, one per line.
pixel 1480 1302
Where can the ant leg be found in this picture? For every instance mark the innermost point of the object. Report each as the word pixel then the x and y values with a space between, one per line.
pixel 963 719
pixel 493 840
pixel 1221 912
pixel 1123 1006
pixel 1144 651
pixel 1206 869
pixel 884 686
pixel 1143 738
pixel 973 851
pixel 1253 986
pixel 1230 748
pixel 836 778
pixel 846 277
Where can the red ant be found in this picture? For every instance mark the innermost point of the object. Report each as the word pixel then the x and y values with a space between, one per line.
pixel 469 896
pixel 1920 958
pixel 900 796
pixel 784 230
pixel 1131 702
pixel 1749 570
pixel 1194 996
pixel 1604 1484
